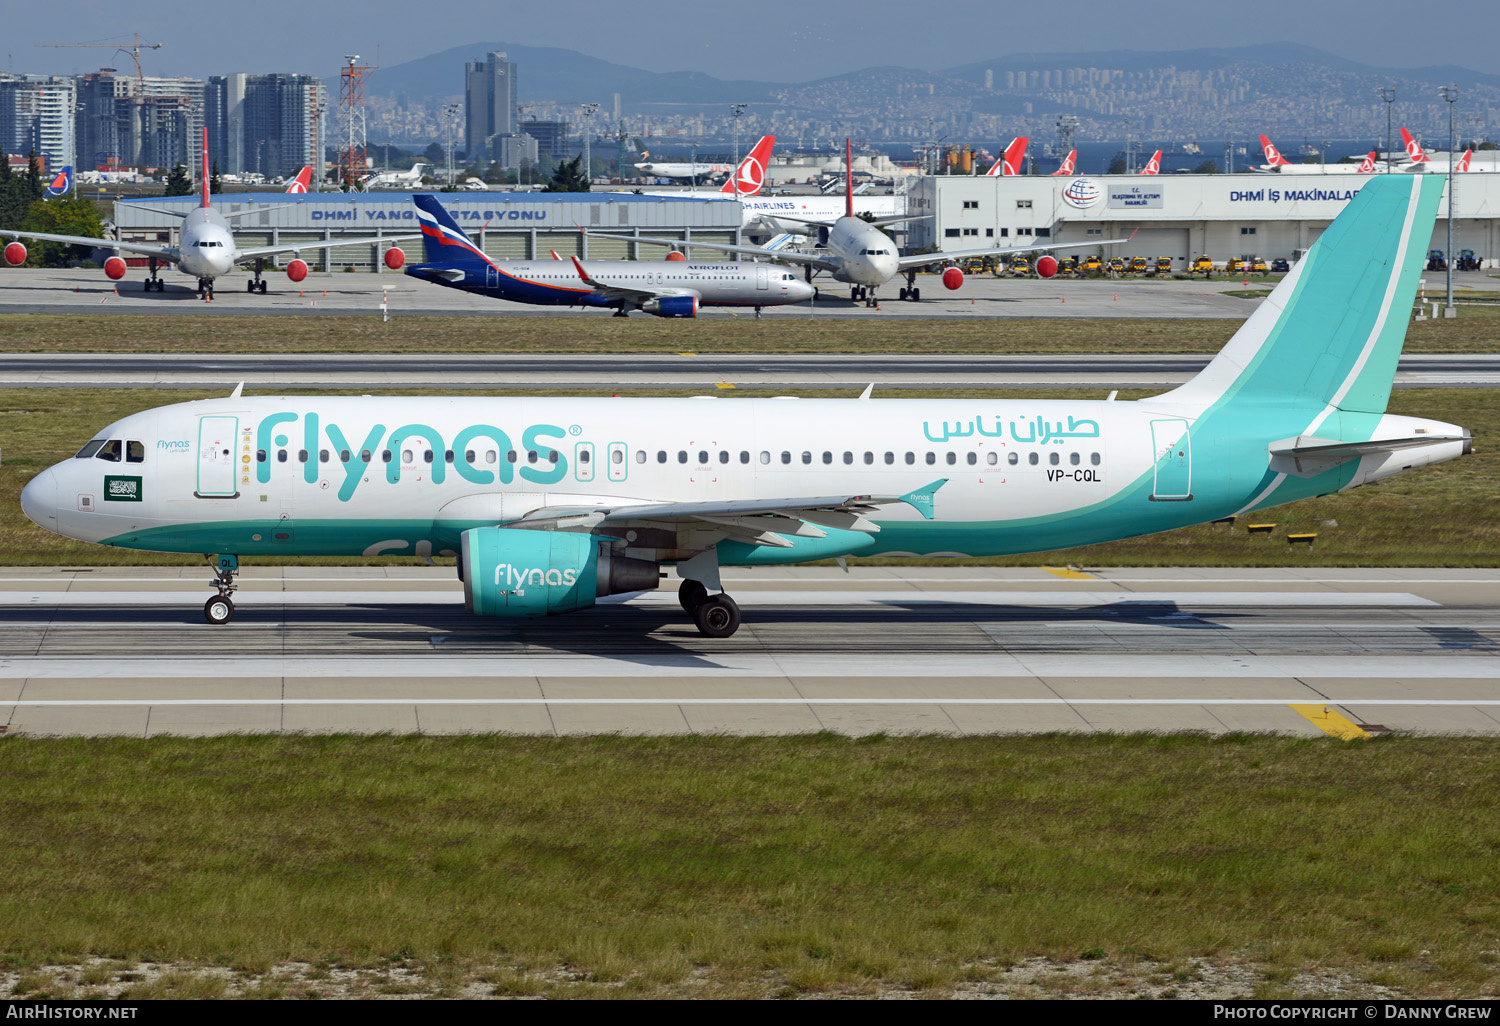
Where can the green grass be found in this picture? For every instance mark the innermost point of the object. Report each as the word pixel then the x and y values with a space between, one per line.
pixel 755 866
pixel 1438 516
pixel 1476 329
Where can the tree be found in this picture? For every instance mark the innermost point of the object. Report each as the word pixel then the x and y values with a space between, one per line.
pixel 1117 166
pixel 1208 167
pixel 62 215
pixel 215 184
pixel 33 176
pixel 434 154
pixel 178 182
pixel 569 177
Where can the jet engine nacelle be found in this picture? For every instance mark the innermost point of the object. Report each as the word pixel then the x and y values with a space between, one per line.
pixel 672 306
pixel 15 254
pixel 114 268
pixel 1046 266
pixel 296 270
pixel 395 259
pixel 516 573
pixel 953 278
pixel 675 255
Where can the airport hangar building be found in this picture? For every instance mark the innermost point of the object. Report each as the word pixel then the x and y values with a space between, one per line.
pixel 1182 216
pixel 506 225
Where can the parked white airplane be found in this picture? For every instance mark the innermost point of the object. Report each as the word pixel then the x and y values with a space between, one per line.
pixel 205 247
pixel 397 179
pixel 861 255
pixel 550 503
pixel 677 169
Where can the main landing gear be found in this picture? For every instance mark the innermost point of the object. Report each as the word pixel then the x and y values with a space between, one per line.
pixel 717 616
pixel 153 283
pixel 911 292
pixel 256 284
pixel 219 610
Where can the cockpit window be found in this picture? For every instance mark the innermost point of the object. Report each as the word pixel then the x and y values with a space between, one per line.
pixel 89 449
pixel 110 450
pixel 135 452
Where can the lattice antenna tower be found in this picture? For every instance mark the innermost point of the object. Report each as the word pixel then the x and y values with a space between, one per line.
pixel 352 120
pixel 1067 127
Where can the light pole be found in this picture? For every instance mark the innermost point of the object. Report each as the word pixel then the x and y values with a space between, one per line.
pixel 589 110
pixel 450 116
pixel 1450 93
pixel 735 111
pixel 1389 96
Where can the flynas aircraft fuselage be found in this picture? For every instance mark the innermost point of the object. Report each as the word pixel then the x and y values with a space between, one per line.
pixel 549 503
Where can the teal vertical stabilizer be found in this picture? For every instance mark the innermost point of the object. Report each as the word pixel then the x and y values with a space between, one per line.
pixel 1330 334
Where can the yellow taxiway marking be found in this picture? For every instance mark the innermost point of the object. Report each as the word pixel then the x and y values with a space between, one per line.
pixel 723 384
pixel 1069 573
pixel 1332 722
pixel 687 354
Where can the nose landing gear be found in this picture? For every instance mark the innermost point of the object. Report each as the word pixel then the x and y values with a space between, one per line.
pixel 256 284
pixel 219 610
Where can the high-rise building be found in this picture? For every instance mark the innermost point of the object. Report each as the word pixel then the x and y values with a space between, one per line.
pixel 489 103
pixel 36 114
pixel 265 124
pixel 116 127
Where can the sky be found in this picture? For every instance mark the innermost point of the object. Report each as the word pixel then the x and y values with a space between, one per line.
pixel 767 40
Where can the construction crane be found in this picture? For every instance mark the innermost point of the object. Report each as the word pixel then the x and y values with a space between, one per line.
pixel 135 53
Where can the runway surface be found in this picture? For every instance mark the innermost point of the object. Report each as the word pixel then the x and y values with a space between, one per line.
pixel 40 290
pixel 654 372
pixel 919 649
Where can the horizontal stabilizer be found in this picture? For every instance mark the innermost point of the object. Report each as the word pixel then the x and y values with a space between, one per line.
pixel 1309 456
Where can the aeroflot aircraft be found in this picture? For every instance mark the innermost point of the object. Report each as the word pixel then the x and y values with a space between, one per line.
pixel 666 288
pixel 205 247
pixel 550 503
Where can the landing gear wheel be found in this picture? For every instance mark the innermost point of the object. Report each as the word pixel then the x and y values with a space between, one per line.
pixel 717 616
pixel 916 295
pixel 262 289
pixel 690 595
pixel 219 610
pixel 903 295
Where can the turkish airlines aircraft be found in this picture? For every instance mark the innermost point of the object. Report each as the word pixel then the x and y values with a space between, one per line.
pixel 1414 151
pixel 1011 160
pixel 861 255
pixel 205 247
pixel 551 503
pixel 1153 166
pixel 302 181
pixel 1070 162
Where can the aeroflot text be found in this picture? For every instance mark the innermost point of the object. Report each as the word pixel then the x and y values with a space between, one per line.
pixel 1392 1011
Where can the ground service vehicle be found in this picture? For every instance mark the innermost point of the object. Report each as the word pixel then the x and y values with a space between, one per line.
pixel 1163 265
pixel 1092 264
pixel 1068 265
pixel 1020 267
pixel 1467 261
pixel 1204 266
pixel 1235 265
pixel 1435 261
pixel 1280 265
pixel 1116 265
pixel 1258 266
pixel 1138 265
pixel 974 265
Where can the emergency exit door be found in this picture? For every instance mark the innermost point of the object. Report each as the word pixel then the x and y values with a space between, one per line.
pixel 1174 461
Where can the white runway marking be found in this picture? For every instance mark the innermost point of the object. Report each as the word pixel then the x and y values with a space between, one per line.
pixel 924 700
pixel 357 597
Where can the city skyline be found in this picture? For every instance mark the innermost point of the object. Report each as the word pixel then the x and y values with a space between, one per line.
pixel 782 42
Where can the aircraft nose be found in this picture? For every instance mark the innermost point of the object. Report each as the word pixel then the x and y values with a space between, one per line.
pixel 802 290
pixel 39 500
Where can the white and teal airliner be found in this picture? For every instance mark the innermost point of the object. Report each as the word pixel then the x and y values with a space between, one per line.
pixel 549 503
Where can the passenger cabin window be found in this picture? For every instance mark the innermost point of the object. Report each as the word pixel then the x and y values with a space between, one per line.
pixel 301 455
pixel 640 455
pixel 111 451
pixel 344 455
pixel 364 455
pixel 260 456
pixel 135 452
pixel 322 455
pixel 723 455
pixel 280 455
pixel 1012 459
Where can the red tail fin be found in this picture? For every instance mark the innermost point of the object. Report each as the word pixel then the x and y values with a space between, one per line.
pixel 1010 161
pixel 1413 148
pixel 1153 166
pixel 750 176
pixel 1070 162
pixel 1273 155
pixel 1367 165
pixel 848 178
pixel 205 166
pixel 302 181
pixel 1463 162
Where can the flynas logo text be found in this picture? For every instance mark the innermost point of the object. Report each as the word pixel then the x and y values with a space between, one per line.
pixel 540 459
pixel 516 578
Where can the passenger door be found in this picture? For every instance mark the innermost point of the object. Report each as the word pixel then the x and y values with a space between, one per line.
pixel 216 468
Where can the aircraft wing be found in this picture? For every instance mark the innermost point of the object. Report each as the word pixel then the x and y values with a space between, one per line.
pixel 757 521
pixel 262 251
pixel 770 254
pixel 143 248
pixel 828 222
pixel 626 291
pixel 923 259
